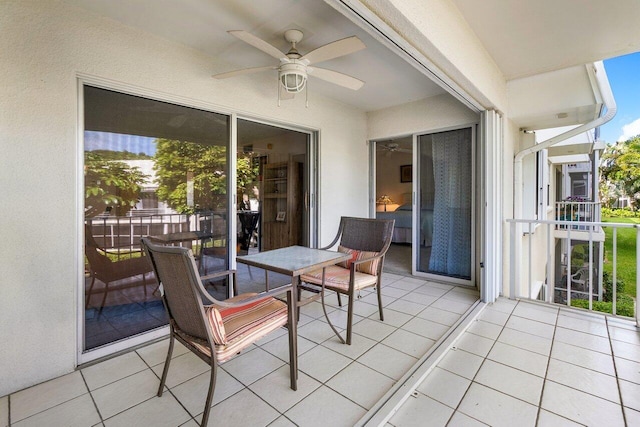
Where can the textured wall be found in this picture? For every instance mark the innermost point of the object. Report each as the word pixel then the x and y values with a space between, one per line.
pixel 43 48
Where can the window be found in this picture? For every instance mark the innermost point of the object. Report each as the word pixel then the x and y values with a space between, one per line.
pixel 151 168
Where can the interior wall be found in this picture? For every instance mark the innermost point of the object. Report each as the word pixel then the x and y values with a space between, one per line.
pixel 436 112
pixel 388 178
pixel 45 46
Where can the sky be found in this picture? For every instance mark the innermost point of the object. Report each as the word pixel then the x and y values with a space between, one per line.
pixel 623 73
pixel 624 77
pixel 119 142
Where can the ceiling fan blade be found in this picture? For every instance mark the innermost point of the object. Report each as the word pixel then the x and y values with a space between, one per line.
pixel 336 78
pixel 334 50
pixel 258 43
pixel 243 71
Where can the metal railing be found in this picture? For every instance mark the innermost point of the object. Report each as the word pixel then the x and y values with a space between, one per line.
pixel 579 212
pixel 120 235
pixel 567 267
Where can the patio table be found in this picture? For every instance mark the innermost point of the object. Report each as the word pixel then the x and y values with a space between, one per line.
pixel 294 261
pixel 182 237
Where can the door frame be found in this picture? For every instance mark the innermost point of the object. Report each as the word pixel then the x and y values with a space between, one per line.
pixel 415 241
pixel 311 182
pixel 415 237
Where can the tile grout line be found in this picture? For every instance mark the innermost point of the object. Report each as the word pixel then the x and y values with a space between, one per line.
pixel 457 408
pixel 95 404
pixel 546 371
pixel 441 348
pixel 615 370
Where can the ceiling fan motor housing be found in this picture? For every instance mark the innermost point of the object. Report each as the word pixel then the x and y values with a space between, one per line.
pixel 293 76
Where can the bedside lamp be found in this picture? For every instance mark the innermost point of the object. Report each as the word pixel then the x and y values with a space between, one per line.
pixel 384 200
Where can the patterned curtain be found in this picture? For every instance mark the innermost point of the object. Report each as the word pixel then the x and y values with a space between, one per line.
pixel 451 249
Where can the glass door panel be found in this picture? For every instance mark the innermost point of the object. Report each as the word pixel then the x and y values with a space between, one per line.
pixel 444 234
pixel 154 169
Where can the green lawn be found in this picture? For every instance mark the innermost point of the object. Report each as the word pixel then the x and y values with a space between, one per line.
pixel 626 268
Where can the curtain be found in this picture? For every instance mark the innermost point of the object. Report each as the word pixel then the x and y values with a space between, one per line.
pixel 451 248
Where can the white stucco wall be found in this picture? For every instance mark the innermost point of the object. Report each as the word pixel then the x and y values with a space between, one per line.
pixel 434 113
pixel 437 29
pixel 44 45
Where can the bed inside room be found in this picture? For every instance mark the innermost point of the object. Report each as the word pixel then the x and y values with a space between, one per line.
pixel 403 229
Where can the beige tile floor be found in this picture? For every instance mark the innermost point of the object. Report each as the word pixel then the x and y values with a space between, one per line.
pixel 526 364
pixel 518 363
pixel 338 384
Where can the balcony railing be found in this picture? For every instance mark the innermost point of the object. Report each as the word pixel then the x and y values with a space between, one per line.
pixel 120 235
pixel 570 269
pixel 578 211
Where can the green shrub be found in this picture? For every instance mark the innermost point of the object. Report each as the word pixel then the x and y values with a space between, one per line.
pixel 620 213
pixel 608 287
pixel 624 307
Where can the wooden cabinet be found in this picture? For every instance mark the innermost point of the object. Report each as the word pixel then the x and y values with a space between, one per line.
pixel 282 205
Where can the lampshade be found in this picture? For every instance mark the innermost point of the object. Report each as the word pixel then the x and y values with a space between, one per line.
pixel 384 200
pixel 293 77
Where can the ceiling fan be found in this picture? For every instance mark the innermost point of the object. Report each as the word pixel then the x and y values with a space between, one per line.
pixel 294 68
pixel 392 147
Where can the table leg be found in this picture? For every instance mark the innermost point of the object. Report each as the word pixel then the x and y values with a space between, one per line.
pixel 292 295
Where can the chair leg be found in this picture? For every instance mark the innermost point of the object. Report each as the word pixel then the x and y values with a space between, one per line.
pixel 144 283
pixel 104 298
pixel 88 296
pixel 339 299
pixel 350 317
pixel 212 387
pixel 166 364
pixel 380 301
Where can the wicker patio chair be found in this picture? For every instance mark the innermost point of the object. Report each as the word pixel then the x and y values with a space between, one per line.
pixel 219 330
pixel 367 240
pixel 108 271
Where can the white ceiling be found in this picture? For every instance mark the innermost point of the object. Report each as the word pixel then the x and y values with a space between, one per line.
pixel 203 25
pixel 527 37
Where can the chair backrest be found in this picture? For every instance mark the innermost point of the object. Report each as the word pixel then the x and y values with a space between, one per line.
pixel 177 272
pixel 366 234
pixel 97 257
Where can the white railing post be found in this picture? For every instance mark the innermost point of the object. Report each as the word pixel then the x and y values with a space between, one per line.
pixel 614 287
pixel 637 275
pixel 512 260
pixel 530 272
pixel 551 280
pixel 569 265
pixel 590 268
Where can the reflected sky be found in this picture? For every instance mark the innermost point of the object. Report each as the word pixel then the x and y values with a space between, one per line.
pixel 119 142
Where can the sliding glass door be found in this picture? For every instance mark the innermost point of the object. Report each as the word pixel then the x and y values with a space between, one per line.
pixel 443 210
pixel 151 169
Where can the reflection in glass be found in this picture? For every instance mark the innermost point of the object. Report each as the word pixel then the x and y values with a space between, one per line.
pixel 152 169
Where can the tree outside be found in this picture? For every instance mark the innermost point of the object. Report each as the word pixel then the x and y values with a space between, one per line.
pixel 111 185
pixel 620 172
pixel 194 177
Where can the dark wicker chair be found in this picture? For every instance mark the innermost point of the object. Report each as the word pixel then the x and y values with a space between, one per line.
pixel 108 271
pixel 368 241
pixel 221 329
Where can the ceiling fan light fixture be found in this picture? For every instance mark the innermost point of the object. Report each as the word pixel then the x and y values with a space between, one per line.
pixel 293 77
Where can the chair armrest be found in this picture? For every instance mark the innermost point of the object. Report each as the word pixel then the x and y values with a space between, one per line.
pixel 261 295
pixel 360 261
pixel 217 274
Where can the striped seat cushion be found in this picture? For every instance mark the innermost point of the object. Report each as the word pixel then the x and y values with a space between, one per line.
pixel 337 278
pixel 369 267
pixel 234 328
